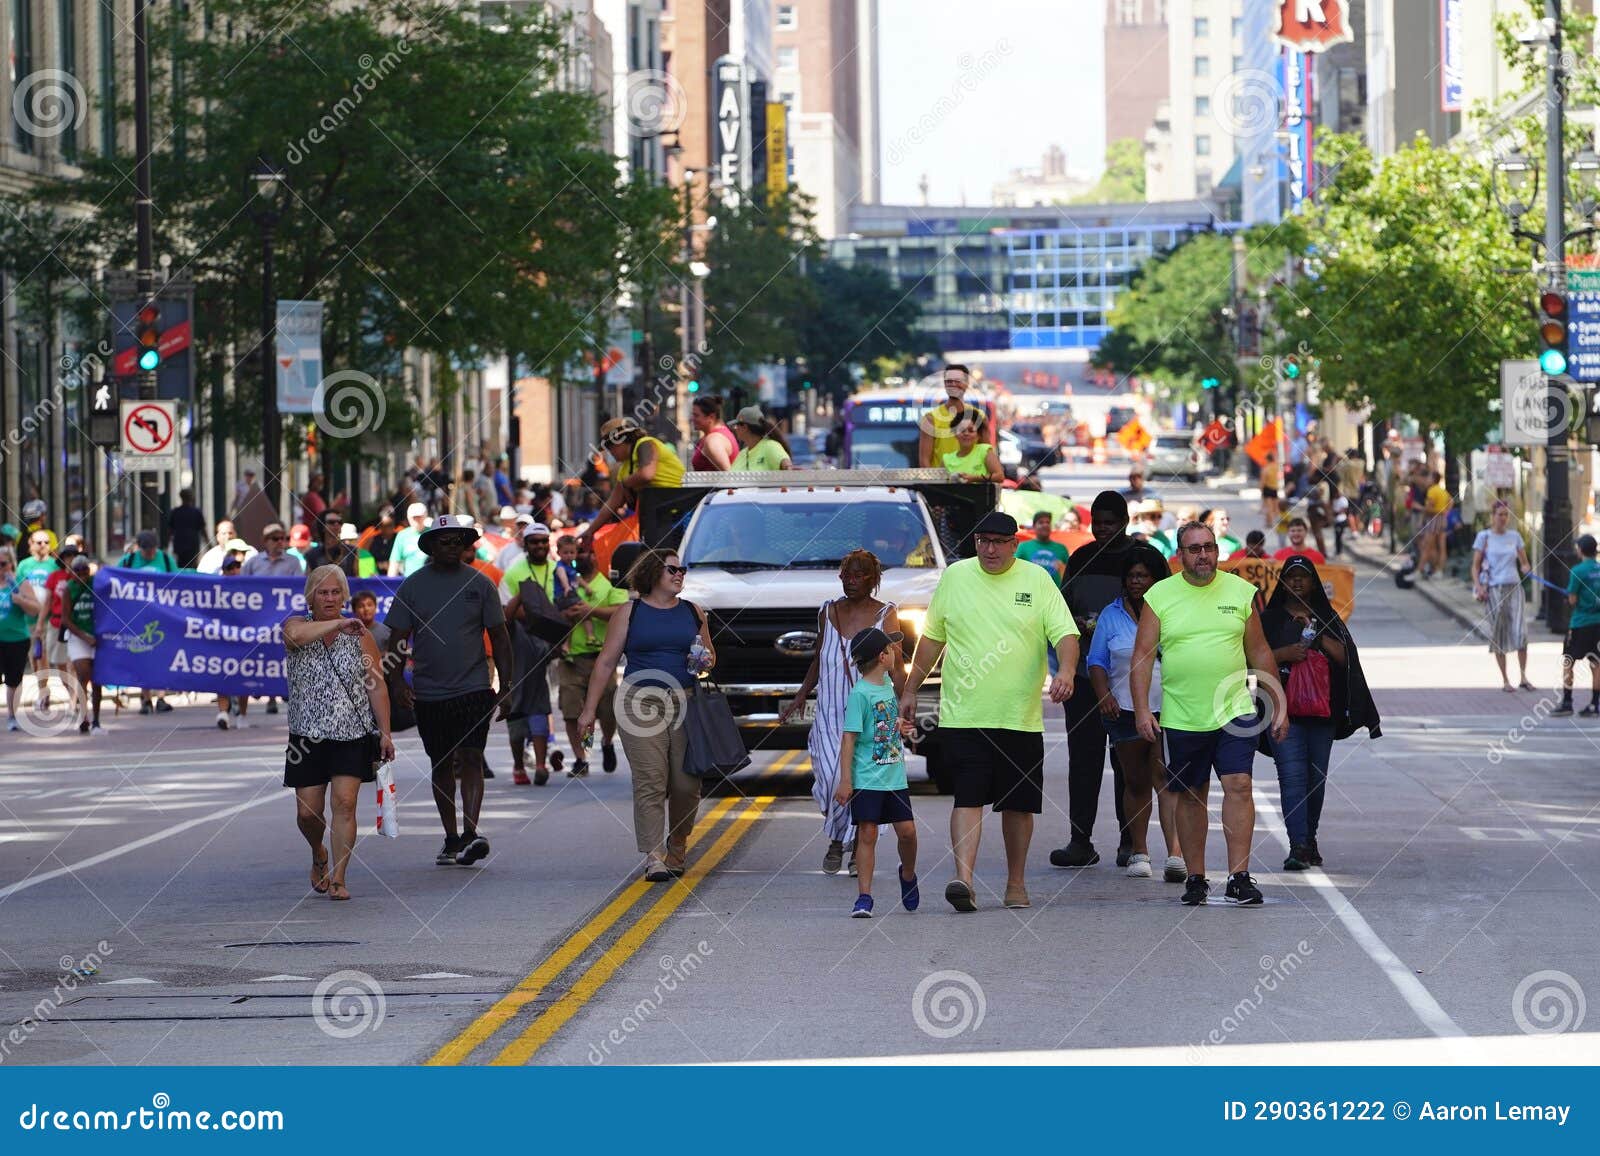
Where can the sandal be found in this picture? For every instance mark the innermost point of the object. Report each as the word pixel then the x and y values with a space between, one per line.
pixel 1526 685
pixel 338 891
pixel 319 873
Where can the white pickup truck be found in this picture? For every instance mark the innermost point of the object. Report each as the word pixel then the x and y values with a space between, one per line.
pixel 764 551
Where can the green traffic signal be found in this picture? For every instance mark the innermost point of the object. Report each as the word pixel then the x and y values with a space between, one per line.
pixel 694 387
pixel 1291 367
pixel 1553 362
pixel 149 359
pixel 1209 383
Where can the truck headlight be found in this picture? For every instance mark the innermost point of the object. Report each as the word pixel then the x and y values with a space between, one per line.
pixel 912 620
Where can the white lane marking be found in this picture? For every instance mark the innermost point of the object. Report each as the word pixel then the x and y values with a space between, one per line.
pixel 132 979
pixel 441 975
pixel 11 889
pixel 283 979
pixel 1411 989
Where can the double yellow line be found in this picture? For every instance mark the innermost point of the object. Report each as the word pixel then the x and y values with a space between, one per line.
pixel 544 1026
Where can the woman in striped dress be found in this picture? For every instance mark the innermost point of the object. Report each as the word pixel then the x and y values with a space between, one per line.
pixel 832 674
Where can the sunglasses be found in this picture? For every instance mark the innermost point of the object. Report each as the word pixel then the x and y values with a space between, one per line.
pixel 276 537
pixel 991 543
pixel 677 571
pixel 1203 548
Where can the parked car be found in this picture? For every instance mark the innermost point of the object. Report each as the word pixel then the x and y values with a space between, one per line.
pixel 1174 454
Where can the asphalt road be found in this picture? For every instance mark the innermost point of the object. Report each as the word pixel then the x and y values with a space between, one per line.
pixel 1456 917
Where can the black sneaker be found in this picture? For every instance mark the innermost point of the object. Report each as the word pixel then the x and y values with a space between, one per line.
pixel 1563 710
pixel 272 706
pixel 540 776
pixel 580 768
pixel 1590 711
pixel 1299 859
pixel 163 706
pixel 1242 891
pixel 1075 855
pixel 1311 849
pixel 473 848
pixel 487 773
pixel 557 761
pixel 447 854
pixel 1195 891
pixel 145 708
pixel 1124 854
pixel 608 757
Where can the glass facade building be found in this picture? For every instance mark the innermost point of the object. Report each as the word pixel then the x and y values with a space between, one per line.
pixel 1027 278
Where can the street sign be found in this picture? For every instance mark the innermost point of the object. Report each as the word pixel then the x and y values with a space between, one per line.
pixel 1591 423
pixel 1215 437
pixel 299 355
pixel 150 435
pixel 1583 324
pixel 1499 468
pixel 1313 25
pixel 1134 437
pixel 1524 411
pixel 618 360
pixel 777 149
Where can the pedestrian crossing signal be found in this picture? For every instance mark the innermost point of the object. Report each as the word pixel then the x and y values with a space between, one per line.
pixel 148 334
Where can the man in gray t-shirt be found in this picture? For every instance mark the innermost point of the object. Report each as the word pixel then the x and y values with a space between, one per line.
pixel 444 609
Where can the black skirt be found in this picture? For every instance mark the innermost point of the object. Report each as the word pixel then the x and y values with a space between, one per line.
pixel 314 762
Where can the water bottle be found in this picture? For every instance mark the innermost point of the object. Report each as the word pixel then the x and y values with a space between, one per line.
pixel 699 658
pixel 1308 635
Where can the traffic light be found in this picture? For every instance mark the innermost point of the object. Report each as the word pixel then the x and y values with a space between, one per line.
pixel 1553 332
pixel 694 387
pixel 805 383
pixel 148 335
pixel 1209 383
pixel 1291 367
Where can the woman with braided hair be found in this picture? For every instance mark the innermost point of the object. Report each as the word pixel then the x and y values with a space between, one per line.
pixel 832 674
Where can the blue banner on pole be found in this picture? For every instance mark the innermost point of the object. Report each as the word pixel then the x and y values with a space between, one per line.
pixel 201 632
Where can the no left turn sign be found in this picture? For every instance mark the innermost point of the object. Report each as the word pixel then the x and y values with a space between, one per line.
pixel 150 435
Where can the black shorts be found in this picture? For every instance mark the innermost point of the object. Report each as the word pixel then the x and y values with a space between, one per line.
pixel 1582 642
pixel 455 724
pixel 314 762
pixel 1268 493
pixel 1192 755
pixel 994 766
pixel 880 806
pixel 14 660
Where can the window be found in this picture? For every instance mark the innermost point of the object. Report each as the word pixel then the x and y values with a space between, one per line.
pixel 1202 27
pixel 788 58
pixel 1202 66
pixel 1161 11
pixel 108 79
pixel 1202 146
pixel 67 54
pixel 1202 106
pixel 788 18
pixel 1238 64
pixel 1238 27
pixel 1128 11
pixel 22 66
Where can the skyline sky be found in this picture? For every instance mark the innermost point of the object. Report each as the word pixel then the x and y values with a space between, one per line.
pixel 966 100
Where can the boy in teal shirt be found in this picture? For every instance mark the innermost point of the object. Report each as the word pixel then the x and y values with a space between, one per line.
pixel 1583 631
pixel 872 767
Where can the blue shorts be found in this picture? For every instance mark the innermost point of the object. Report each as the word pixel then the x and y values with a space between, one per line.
pixel 880 806
pixel 1121 728
pixel 1193 755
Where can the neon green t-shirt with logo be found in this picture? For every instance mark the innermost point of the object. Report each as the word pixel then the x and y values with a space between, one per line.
pixel 600 593
pixel 992 627
pixel 1203 664
pixel 766 454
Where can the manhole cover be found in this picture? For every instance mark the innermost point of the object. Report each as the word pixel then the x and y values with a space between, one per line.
pixel 298 943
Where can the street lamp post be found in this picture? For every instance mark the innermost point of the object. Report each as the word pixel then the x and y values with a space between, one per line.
pixel 267 181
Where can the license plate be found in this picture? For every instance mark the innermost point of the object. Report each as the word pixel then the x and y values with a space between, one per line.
pixel 809 713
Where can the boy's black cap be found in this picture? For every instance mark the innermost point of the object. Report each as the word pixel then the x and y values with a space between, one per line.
pixel 1586 544
pixel 996 522
pixel 871 642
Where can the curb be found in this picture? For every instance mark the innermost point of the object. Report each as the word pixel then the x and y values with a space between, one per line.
pixel 1443 605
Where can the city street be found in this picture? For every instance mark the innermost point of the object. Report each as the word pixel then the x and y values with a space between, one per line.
pixel 1457 900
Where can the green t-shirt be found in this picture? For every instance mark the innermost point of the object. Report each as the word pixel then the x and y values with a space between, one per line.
pixel 79 596
pixel 160 560
pixel 872 714
pixel 1162 541
pixel 601 593
pixel 36 570
pixel 975 461
pixel 1227 547
pixel 766 454
pixel 1203 664
pixel 366 564
pixel 1051 555
pixel 1585 583
pixel 406 552
pixel 520 571
pixel 15 626
pixel 993 626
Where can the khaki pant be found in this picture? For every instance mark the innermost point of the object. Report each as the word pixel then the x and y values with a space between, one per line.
pixel 666 800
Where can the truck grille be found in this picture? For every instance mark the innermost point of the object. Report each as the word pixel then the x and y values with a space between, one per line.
pixel 745 641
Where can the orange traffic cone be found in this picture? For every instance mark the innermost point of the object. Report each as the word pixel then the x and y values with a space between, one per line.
pixel 1100 458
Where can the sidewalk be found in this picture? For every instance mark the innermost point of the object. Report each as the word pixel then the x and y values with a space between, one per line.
pixel 1450 596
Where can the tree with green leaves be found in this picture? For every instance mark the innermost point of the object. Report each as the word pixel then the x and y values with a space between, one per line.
pixel 858 318
pixel 1123 179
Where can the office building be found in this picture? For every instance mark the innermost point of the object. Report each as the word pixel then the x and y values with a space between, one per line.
pixel 1135 66
pixel 1192 146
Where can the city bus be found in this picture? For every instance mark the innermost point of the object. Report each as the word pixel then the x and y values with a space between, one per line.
pixel 882 426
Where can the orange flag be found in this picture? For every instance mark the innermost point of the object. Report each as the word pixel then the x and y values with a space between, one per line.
pixel 1264 443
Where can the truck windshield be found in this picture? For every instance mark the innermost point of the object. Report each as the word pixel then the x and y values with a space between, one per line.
pixel 808 535
pixel 883 447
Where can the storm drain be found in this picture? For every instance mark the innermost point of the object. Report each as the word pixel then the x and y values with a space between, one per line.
pixel 298 943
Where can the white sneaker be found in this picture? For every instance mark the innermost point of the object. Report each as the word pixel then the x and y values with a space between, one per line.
pixel 1139 867
pixel 13 725
pixel 240 723
pixel 222 720
pixel 1176 871
pixel 97 729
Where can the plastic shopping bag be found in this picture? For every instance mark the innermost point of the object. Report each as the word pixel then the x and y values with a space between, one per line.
pixel 388 804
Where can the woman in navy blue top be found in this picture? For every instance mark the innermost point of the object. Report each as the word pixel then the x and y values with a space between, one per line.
pixel 654 633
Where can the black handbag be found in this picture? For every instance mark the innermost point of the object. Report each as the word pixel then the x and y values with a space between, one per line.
pixel 715 745
pixel 540 616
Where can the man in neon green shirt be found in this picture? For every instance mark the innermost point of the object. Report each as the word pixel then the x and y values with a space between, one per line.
pixel 1211 641
pixel 988 618
pixel 600 602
